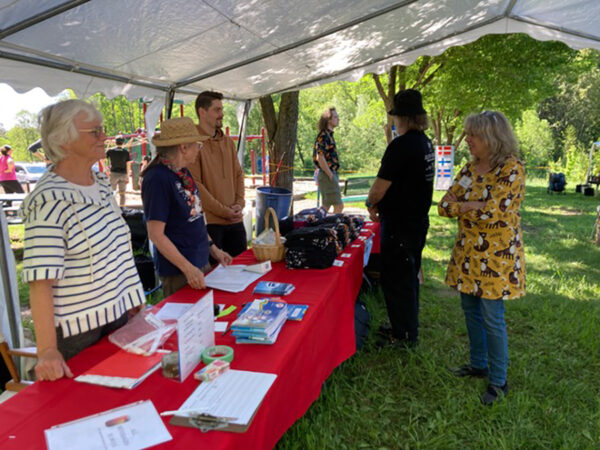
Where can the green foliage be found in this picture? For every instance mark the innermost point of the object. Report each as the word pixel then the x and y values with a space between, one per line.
pixel 577 102
pixel 23 134
pixel 359 136
pixel 120 114
pixel 509 73
pixel 576 162
pixel 535 138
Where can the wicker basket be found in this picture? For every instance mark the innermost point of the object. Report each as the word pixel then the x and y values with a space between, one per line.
pixel 266 252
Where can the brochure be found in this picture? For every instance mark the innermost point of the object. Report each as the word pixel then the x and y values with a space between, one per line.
pixel 273 288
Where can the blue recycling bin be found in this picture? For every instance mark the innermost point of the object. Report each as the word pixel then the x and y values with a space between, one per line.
pixel 280 199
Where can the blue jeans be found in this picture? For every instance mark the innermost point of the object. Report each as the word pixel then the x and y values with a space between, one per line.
pixel 487 335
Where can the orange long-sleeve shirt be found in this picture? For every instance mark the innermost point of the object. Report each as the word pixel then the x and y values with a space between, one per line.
pixel 219 177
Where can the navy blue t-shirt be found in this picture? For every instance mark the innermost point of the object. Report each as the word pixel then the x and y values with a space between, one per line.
pixel 408 163
pixel 165 200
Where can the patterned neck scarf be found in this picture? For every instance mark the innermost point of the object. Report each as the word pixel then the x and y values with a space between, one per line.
pixel 189 187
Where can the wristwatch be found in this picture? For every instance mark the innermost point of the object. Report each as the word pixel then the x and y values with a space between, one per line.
pixel 368 204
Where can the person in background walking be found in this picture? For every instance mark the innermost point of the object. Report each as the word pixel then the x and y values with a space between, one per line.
pixel 487 265
pixel 8 176
pixel 120 162
pixel 325 158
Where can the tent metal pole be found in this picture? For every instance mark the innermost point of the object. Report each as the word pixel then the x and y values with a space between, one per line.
pixel 296 44
pixel 170 96
pixel 241 147
pixel 33 20
pixel 510 8
pixel 10 315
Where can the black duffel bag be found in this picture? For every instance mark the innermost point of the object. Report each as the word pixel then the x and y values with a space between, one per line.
pixel 311 248
pixel 145 267
pixel 135 221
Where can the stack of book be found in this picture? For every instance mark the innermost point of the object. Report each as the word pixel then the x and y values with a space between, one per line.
pixel 273 288
pixel 260 322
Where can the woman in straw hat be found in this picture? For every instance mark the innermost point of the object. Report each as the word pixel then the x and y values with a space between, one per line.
pixel 77 257
pixel 172 208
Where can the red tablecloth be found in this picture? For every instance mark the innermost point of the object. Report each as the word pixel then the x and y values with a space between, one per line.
pixel 304 356
pixel 374 227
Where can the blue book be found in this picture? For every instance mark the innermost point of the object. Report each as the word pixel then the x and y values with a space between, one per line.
pixel 296 312
pixel 273 288
pixel 251 339
pixel 265 314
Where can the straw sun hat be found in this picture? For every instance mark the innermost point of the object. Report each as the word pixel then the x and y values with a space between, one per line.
pixel 177 131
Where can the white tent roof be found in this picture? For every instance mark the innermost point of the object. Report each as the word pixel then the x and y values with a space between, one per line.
pixel 249 48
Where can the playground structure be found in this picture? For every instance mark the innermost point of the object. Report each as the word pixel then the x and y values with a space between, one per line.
pixel 137 144
pixel 264 162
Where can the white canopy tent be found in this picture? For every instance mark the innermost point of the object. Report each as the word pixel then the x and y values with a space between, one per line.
pixel 250 48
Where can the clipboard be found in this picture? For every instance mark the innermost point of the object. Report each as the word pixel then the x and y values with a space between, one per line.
pixel 228 403
pixel 183 421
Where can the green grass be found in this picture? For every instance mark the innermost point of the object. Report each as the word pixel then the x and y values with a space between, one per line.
pixel 394 399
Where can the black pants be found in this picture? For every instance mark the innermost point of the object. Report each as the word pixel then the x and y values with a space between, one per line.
pixel 401 260
pixel 12 187
pixel 72 345
pixel 230 238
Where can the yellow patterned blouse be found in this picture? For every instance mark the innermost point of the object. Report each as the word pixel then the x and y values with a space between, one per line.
pixel 488 259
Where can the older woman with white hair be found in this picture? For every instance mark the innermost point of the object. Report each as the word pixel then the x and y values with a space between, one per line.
pixel 77 260
pixel 174 216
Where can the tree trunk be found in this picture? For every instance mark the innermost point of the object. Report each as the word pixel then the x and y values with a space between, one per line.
pixel 281 135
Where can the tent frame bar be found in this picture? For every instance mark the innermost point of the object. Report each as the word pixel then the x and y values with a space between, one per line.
pixel 33 20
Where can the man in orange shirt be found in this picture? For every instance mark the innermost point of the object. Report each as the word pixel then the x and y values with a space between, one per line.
pixel 219 177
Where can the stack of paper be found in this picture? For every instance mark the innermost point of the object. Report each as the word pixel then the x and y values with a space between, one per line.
pixel 273 288
pixel 231 278
pixel 260 322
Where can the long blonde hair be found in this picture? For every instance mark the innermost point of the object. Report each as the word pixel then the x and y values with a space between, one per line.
pixel 494 129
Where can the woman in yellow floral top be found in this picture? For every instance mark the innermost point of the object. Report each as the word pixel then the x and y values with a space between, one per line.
pixel 487 265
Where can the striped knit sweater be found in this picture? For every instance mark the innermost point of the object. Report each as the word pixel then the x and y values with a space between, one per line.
pixel 85 247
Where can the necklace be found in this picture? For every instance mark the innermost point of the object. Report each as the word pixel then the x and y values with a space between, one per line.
pixel 189 186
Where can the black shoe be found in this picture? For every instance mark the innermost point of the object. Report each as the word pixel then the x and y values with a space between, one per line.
pixel 494 394
pixel 385 329
pixel 470 371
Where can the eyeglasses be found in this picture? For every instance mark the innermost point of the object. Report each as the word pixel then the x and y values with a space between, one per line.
pixel 96 131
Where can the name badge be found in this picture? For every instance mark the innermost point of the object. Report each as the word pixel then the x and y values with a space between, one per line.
pixel 465 182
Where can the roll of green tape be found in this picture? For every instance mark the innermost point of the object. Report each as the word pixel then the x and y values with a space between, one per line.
pixel 222 352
